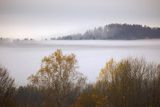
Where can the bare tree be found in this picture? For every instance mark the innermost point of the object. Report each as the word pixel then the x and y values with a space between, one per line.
pixel 6 89
pixel 131 83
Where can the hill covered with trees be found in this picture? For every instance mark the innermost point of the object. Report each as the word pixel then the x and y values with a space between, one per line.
pixel 117 31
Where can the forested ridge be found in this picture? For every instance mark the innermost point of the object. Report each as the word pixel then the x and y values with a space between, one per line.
pixel 116 31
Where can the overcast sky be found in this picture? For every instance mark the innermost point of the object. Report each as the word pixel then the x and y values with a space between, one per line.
pixel 52 18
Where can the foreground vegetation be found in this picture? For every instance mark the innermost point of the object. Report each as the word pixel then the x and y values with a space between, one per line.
pixel 127 83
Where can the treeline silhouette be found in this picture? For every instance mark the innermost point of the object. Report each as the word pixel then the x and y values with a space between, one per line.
pixel 129 82
pixel 116 31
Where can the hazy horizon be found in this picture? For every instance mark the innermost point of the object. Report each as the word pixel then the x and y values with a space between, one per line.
pixel 54 18
pixel 23 59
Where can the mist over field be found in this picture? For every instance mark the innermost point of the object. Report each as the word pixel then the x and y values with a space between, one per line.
pixel 24 57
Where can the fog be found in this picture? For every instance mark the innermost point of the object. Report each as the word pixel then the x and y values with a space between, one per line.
pixel 24 58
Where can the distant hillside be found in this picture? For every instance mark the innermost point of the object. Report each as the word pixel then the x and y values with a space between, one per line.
pixel 116 31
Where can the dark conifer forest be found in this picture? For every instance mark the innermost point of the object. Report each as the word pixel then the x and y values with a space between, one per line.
pixel 117 32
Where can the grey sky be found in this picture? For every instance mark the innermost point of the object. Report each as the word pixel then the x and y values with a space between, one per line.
pixel 42 18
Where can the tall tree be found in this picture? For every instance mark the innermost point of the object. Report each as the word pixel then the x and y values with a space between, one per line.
pixel 58 74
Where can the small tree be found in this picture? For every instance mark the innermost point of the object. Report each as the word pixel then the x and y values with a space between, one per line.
pixel 6 89
pixel 58 74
